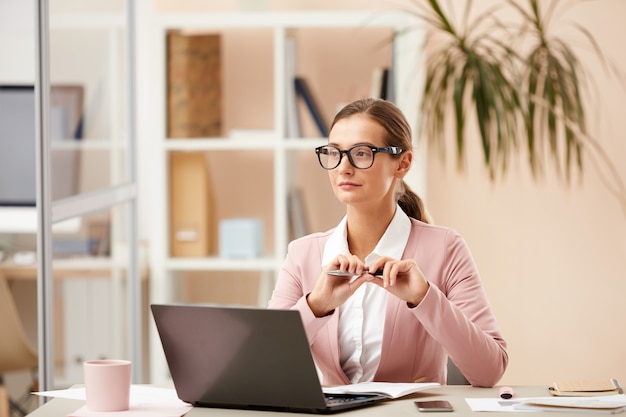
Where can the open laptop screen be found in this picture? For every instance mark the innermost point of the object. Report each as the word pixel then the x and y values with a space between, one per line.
pixel 239 357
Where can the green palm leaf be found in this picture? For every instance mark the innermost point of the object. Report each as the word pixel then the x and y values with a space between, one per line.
pixel 477 75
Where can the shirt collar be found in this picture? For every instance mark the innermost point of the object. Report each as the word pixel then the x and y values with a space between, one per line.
pixel 391 244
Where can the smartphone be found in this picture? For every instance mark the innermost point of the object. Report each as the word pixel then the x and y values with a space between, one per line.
pixel 438 405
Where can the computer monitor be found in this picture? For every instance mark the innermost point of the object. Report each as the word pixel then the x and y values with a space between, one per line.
pixel 18 174
pixel 17 146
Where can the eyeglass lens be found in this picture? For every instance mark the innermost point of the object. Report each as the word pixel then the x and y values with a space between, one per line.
pixel 360 156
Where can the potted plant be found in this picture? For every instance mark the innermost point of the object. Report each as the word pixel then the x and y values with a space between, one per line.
pixel 521 84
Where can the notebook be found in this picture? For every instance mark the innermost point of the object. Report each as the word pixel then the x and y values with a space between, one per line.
pixel 245 358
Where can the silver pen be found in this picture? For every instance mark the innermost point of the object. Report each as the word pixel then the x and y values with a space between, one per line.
pixel 340 273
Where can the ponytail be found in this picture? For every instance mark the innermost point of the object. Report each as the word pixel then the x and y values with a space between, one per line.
pixel 412 204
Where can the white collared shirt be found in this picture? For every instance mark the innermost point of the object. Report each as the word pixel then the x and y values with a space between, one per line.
pixel 362 316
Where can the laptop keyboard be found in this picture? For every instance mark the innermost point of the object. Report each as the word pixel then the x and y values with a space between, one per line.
pixel 333 400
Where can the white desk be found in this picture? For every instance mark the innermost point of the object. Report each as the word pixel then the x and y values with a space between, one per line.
pixel 395 408
pixel 89 267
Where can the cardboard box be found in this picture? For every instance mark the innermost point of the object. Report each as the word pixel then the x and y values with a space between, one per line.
pixel 192 213
pixel 194 85
pixel 241 238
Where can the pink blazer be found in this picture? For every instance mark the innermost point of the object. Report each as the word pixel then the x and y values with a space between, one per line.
pixel 454 319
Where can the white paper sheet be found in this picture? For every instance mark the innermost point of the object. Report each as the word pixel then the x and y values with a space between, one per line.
pixel 390 389
pixel 569 404
pixel 495 404
pixel 609 404
pixel 144 401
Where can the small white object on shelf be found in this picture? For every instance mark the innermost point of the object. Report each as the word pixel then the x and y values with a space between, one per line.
pixel 25 257
pixel 241 238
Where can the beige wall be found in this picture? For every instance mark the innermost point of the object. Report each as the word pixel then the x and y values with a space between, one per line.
pixel 552 257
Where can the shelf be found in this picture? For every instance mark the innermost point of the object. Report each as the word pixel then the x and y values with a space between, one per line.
pixel 216 144
pixel 88 145
pixel 101 20
pixel 221 264
pixel 305 143
pixel 66 268
pixel 295 19
pixel 270 137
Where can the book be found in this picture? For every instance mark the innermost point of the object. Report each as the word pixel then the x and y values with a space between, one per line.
pixel 376 87
pixel 585 388
pixel 291 99
pixel 389 389
pixel 298 220
pixel 382 83
pixel 385 88
pixel 66 112
pixel 613 404
pixel 304 91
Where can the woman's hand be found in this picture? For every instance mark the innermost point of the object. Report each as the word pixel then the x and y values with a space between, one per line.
pixel 402 278
pixel 331 291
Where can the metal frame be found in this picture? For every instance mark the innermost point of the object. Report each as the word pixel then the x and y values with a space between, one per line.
pixel 49 212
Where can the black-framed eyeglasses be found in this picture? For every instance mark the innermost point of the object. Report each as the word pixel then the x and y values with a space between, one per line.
pixel 360 156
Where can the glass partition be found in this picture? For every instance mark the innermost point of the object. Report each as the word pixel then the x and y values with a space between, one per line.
pixel 89 276
pixel 88 99
pixel 90 269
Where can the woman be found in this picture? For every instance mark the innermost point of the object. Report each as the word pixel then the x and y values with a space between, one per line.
pixel 427 303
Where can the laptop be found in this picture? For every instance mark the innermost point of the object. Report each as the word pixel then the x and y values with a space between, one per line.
pixel 244 358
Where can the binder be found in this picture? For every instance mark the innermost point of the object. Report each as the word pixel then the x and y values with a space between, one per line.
pixel 193 231
pixel 304 91
pixel 585 388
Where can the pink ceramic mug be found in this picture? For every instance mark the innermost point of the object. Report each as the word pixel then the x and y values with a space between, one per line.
pixel 107 384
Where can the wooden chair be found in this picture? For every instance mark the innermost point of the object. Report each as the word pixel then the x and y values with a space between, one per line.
pixel 16 352
pixel 4 401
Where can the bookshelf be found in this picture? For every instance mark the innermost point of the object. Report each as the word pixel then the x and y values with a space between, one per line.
pixel 266 162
